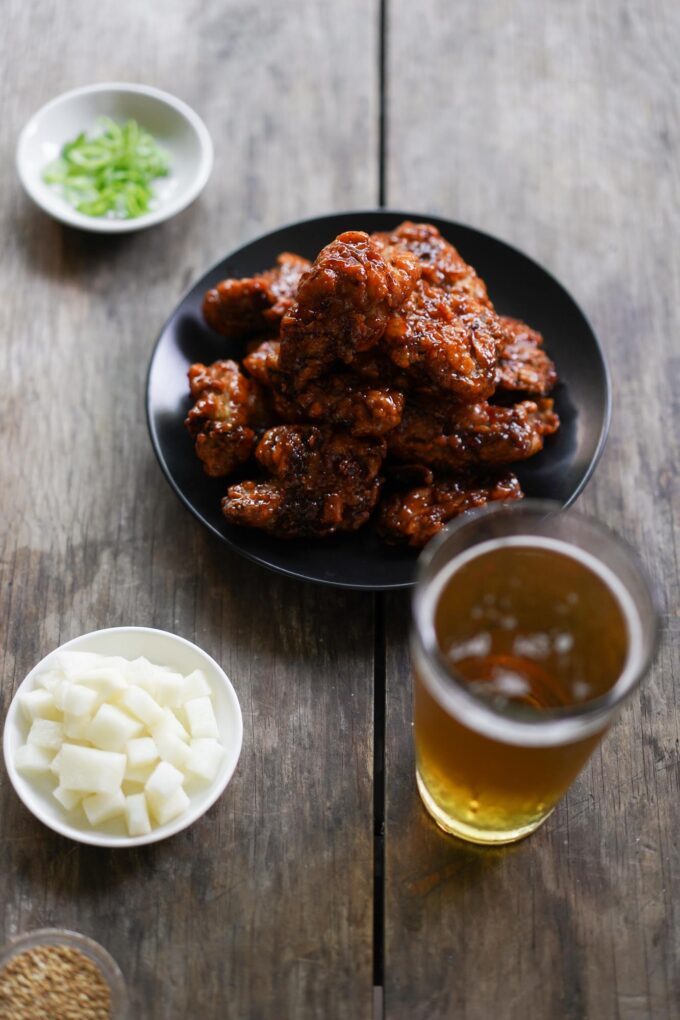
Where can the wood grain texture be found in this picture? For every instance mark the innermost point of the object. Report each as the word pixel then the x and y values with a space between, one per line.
pixel 556 127
pixel 263 909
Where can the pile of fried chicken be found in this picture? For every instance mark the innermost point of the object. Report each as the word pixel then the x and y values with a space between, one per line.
pixel 378 378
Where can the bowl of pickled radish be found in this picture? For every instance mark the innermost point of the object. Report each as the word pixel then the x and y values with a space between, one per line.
pixel 123 736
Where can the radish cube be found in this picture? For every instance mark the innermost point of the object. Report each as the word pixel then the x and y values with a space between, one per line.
pixel 164 780
pixel 91 770
pixel 205 755
pixel 106 682
pixel 168 689
pixel 171 748
pixel 138 773
pixel 77 727
pixel 170 724
pixel 111 728
pixel 137 815
pixel 202 721
pixel 79 700
pixel 58 692
pixel 166 808
pixel 103 806
pixel 55 764
pixel 141 751
pixel 39 704
pixel 32 760
pixel 67 798
pixel 50 679
pixel 46 733
pixel 141 704
pixel 195 686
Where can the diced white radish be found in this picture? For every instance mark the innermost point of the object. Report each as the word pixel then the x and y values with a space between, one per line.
pixel 67 798
pixel 169 724
pixel 141 704
pixel 164 809
pixel 168 689
pixel 76 727
pixel 55 764
pixel 141 751
pixel 50 679
pixel 77 699
pixel 58 692
pixel 103 806
pixel 205 755
pixel 107 682
pixel 46 733
pixel 171 748
pixel 195 686
pixel 202 721
pixel 91 770
pixel 164 780
pixel 32 760
pixel 139 667
pixel 39 704
pixel 111 728
pixel 137 815
pixel 138 773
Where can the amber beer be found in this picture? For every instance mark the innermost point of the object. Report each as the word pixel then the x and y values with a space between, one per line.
pixel 524 645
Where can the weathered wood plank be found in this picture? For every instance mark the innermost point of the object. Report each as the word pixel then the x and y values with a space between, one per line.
pixel 264 907
pixel 555 127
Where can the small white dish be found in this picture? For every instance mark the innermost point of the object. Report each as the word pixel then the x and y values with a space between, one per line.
pixel 173 124
pixel 163 649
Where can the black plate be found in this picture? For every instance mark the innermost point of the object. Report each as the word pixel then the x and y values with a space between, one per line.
pixel 518 286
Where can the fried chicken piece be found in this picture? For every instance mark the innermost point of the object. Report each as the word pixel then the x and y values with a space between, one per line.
pixel 440 262
pixel 228 408
pixel 262 363
pixel 415 517
pixel 237 308
pixel 337 399
pixel 342 400
pixel 446 342
pixel 523 366
pixel 461 436
pixel 342 305
pixel 323 481
pixel 446 335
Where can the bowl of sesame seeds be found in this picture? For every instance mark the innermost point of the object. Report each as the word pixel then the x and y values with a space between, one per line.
pixel 58 973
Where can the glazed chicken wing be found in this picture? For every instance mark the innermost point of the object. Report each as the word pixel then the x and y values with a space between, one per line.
pixel 237 308
pixel 364 408
pixel 323 481
pixel 228 408
pixel 523 365
pixel 446 335
pixel 440 262
pixel 461 436
pixel 342 305
pixel 414 517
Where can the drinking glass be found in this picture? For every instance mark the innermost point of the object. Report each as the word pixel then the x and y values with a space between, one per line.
pixel 562 596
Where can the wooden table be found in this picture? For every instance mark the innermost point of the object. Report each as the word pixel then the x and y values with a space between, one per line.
pixel 318 874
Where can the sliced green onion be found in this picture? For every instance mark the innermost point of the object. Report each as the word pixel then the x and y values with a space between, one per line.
pixel 109 173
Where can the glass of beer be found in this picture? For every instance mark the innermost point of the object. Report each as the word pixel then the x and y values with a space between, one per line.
pixel 531 627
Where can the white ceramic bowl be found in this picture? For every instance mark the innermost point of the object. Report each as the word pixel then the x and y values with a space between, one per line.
pixel 163 649
pixel 173 124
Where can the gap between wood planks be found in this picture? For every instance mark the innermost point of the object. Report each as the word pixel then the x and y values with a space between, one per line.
pixel 379 694
pixel 379 647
